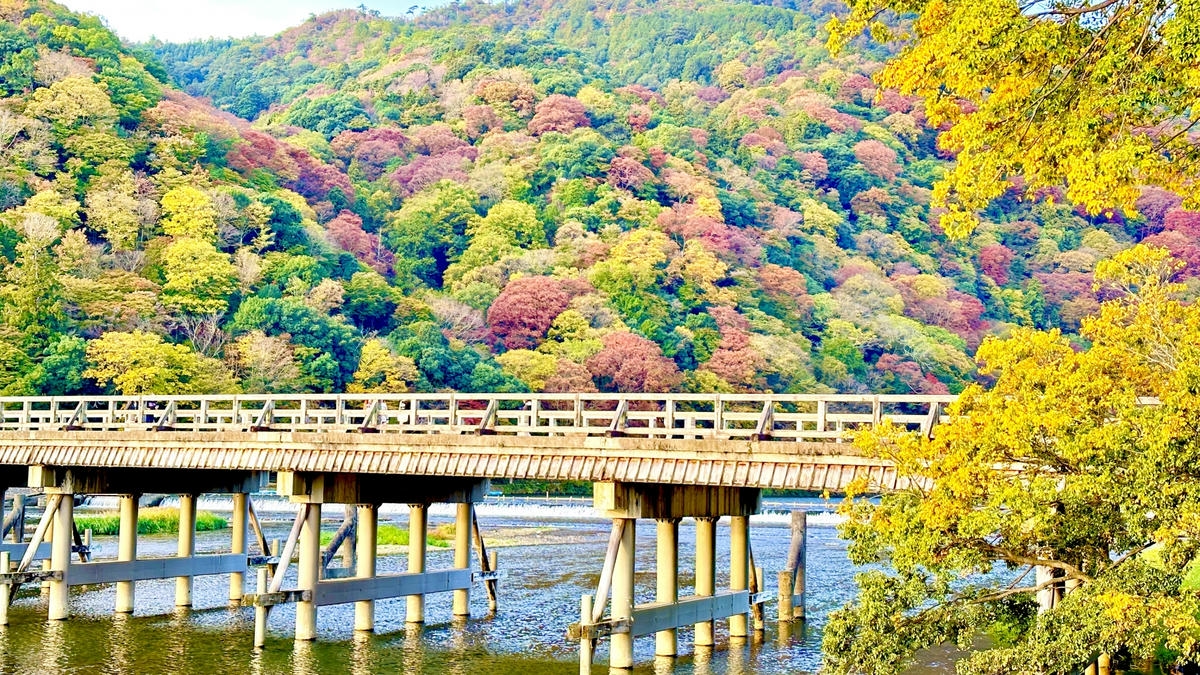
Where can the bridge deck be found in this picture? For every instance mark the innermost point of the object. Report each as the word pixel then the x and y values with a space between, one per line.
pixel 757 441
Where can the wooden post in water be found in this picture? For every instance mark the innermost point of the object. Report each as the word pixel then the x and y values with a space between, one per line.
pixel 260 611
pixel 364 566
pixel 5 589
pixel 757 612
pixel 706 572
pixel 667 581
pixel 462 557
pixel 793 585
pixel 739 569
pixel 309 572
pixel 241 514
pixel 60 551
pixel 621 644
pixel 18 527
pixel 417 535
pixel 585 645
pixel 1045 595
pixel 187 547
pixel 127 549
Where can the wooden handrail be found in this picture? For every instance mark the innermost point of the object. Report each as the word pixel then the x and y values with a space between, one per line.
pixel 780 417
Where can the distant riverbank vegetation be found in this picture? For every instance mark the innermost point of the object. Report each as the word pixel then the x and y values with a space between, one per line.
pixel 156 520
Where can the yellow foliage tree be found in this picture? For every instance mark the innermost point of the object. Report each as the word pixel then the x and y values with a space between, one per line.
pixel 382 372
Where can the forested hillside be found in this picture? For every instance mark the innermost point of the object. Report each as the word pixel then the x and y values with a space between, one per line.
pixel 620 195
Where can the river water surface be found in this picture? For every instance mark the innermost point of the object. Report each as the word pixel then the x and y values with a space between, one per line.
pixel 554 555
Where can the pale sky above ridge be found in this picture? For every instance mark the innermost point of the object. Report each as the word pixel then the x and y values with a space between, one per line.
pixel 183 20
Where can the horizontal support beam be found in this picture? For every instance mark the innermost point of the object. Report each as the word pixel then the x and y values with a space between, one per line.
pixel 596 631
pixel 111 571
pixel 260 560
pixel 651 618
pixel 341 591
pixel 762 598
pixel 491 575
pixel 276 598
pixel 18 550
pixel 30 577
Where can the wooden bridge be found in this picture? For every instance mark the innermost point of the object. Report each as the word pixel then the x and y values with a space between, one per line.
pixel 660 456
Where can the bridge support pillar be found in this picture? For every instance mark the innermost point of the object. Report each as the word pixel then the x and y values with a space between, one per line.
pixel 417 534
pixel 60 552
pixel 706 572
pixel 462 556
pixel 667 580
pixel 309 573
pixel 186 548
pixel 364 566
pixel 127 549
pixel 739 570
pixel 621 649
pixel 240 517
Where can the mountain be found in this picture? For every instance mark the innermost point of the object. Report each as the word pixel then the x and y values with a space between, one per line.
pixel 609 194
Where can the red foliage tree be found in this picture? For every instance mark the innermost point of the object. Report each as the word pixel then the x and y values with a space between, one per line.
pixel 523 312
pixel 481 119
pixel 1153 206
pixel 877 158
pixel 995 261
pixel 558 113
pixel 371 150
pixel 853 88
pixel 346 231
pixel 628 173
pixel 815 164
pixel 631 363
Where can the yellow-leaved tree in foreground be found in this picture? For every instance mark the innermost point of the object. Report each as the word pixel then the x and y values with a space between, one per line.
pixel 1082 461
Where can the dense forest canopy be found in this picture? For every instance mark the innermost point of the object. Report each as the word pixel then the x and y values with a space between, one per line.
pixel 620 195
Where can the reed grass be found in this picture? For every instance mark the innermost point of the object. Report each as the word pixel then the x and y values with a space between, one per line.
pixel 390 535
pixel 156 520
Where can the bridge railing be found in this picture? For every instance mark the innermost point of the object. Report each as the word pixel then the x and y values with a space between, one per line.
pixel 794 417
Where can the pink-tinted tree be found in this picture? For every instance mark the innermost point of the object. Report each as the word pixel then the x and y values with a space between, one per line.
pixel 995 261
pixel 346 231
pixel 877 158
pixel 631 363
pixel 520 316
pixel 628 173
pixel 481 119
pixel 560 113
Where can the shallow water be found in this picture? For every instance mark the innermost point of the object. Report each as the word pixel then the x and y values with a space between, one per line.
pixel 538 599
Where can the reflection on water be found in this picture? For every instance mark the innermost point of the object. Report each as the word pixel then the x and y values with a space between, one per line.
pixel 539 597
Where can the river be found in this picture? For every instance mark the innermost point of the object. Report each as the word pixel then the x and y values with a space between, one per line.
pixel 555 552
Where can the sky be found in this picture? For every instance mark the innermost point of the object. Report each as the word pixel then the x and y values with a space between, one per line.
pixel 182 20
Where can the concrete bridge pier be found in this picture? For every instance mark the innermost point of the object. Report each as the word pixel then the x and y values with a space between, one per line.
pixel 462 555
pixel 186 547
pixel 127 549
pixel 364 565
pixel 60 548
pixel 625 503
pixel 418 530
pixel 704 633
pixel 239 522
pixel 666 577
